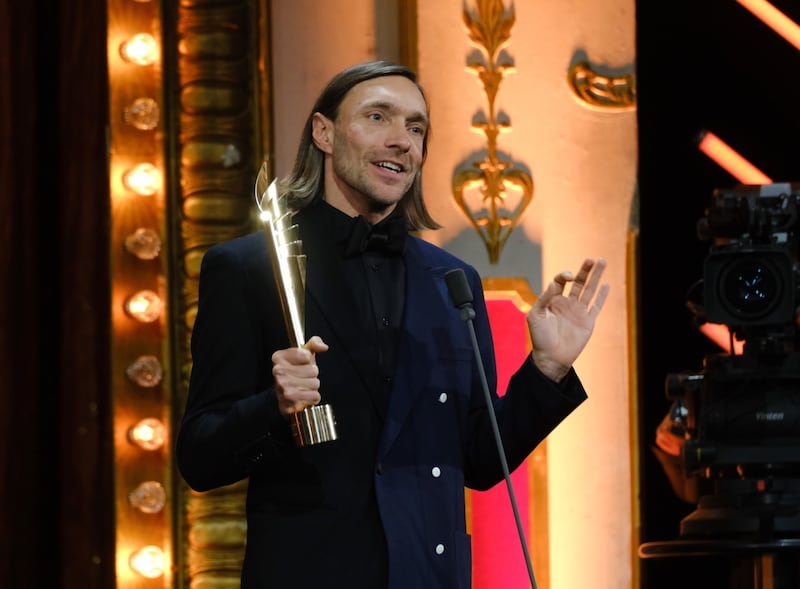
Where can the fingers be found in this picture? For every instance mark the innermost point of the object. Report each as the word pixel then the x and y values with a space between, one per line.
pixel 297 376
pixel 297 386
pixel 562 278
pixel 315 344
pixel 580 279
pixel 584 290
pixel 585 284
pixel 602 294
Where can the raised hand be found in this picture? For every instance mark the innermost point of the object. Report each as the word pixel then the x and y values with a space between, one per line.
pixel 560 325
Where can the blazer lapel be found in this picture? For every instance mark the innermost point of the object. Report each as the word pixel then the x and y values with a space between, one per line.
pixel 425 313
pixel 426 310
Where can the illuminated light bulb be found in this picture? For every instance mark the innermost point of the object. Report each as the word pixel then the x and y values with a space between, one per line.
pixel 232 156
pixel 145 371
pixel 148 434
pixel 141 49
pixel 143 243
pixel 142 113
pixel 143 179
pixel 148 497
pixel 148 561
pixel 144 306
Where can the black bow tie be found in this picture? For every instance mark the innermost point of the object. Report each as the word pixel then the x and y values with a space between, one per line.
pixel 388 236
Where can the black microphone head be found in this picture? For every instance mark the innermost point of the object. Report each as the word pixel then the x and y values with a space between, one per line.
pixel 458 287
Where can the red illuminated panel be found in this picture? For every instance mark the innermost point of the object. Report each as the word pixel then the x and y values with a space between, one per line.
pixel 498 558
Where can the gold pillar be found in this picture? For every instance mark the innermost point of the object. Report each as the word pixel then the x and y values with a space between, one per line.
pixel 216 74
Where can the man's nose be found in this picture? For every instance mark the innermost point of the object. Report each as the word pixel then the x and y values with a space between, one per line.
pixel 398 137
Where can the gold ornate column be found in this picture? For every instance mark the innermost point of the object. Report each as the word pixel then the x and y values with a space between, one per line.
pixel 216 70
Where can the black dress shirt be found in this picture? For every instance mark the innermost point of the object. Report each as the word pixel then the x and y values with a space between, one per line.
pixel 376 275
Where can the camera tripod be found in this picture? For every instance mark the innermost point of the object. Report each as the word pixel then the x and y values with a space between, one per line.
pixel 749 527
pixel 773 564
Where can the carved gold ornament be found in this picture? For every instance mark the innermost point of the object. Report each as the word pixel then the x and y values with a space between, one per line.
pixel 494 178
pixel 599 91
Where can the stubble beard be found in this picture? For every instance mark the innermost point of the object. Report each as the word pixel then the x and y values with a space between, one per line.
pixel 355 180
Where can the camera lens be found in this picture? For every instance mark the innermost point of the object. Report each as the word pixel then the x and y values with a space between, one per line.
pixel 749 287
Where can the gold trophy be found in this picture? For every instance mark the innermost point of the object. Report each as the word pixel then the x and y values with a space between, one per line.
pixel 316 423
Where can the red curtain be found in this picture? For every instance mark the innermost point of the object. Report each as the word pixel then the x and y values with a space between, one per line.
pixel 57 520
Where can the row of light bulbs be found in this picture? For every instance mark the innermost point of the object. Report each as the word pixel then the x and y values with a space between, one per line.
pixel 145 306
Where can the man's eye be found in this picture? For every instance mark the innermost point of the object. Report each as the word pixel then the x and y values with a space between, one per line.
pixel 376 116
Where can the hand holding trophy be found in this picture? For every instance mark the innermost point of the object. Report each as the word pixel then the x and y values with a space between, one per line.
pixel 314 424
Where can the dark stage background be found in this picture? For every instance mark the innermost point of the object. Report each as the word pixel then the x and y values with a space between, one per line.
pixel 56 495
pixel 701 64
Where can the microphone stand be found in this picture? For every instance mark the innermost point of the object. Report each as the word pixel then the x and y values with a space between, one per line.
pixel 468 314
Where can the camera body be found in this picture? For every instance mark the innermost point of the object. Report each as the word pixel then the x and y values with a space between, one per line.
pixel 740 424
pixel 750 274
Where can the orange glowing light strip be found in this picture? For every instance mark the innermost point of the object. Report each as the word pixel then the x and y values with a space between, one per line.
pixel 775 19
pixel 731 161
pixel 721 335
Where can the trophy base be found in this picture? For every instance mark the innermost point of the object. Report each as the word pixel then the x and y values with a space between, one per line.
pixel 314 425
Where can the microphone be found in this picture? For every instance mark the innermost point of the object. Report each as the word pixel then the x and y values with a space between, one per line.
pixel 458 287
pixel 461 294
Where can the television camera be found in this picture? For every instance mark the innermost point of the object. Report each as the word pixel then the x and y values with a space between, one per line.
pixel 739 418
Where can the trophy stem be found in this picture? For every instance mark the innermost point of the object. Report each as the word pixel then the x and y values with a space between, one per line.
pixel 314 425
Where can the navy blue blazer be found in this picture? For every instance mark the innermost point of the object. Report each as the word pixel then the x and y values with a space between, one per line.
pixel 382 506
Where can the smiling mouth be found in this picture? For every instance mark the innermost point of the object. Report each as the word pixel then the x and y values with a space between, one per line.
pixel 392 167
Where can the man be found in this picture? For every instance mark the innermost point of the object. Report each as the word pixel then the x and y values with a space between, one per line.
pixel 382 506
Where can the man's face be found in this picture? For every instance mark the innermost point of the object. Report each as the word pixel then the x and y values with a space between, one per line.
pixel 377 142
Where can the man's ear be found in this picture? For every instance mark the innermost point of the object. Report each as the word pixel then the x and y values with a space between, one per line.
pixel 322 132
